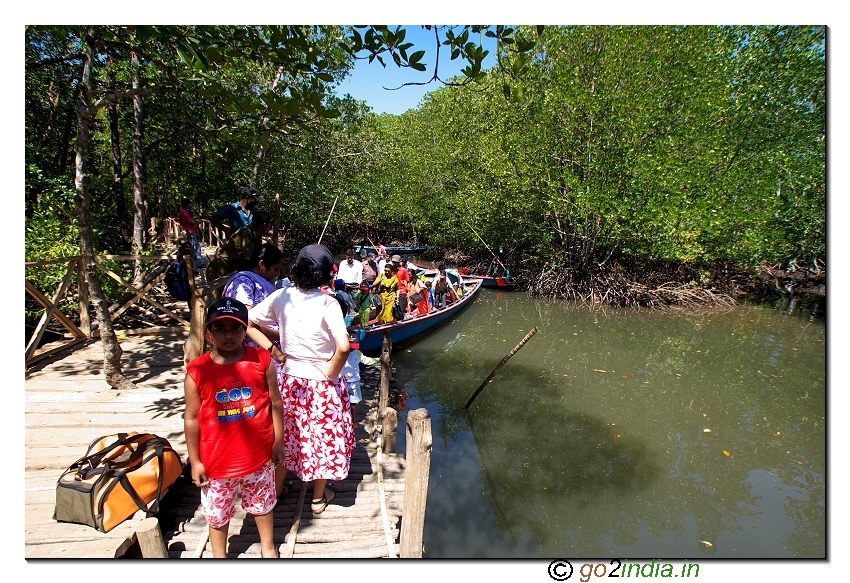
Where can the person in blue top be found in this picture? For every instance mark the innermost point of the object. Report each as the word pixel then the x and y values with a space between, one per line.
pixel 238 214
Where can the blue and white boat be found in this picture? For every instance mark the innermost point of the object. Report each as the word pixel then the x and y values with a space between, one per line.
pixel 406 332
pixel 392 250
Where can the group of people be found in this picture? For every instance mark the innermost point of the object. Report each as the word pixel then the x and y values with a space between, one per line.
pixel 401 288
pixel 242 226
pixel 275 393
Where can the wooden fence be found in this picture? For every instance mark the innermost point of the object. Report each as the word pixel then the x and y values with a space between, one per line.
pixel 86 330
pixel 172 231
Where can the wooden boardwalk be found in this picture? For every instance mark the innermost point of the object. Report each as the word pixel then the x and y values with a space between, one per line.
pixel 68 405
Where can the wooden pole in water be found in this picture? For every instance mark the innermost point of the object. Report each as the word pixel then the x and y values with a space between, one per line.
pixel 327 221
pixel 419 440
pixel 500 365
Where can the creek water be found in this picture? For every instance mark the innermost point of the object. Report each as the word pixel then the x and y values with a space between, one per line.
pixel 616 433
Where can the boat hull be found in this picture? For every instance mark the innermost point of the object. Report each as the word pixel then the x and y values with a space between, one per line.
pixel 502 283
pixel 407 332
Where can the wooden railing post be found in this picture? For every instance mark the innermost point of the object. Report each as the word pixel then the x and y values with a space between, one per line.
pixel 389 429
pixel 150 539
pixel 195 343
pixel 83 293
pixel 418 457
pixel 386 372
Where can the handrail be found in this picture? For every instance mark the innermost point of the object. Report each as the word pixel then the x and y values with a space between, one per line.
pixel 85 331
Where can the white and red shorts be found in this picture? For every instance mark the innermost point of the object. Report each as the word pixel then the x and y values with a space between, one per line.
pixel 218 500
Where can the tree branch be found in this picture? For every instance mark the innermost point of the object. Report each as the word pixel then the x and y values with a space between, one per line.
pixel 117 96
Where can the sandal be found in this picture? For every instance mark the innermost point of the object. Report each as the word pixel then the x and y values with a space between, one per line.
pixel 323 503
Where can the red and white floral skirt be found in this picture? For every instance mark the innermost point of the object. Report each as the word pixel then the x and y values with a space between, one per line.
pixel 317 425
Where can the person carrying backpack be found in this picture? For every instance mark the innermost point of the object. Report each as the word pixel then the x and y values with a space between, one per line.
pixel 177 277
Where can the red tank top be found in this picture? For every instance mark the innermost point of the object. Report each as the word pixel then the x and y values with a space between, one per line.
pixel 235 419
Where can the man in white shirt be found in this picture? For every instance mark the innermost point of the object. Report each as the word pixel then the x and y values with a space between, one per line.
pixel 350 271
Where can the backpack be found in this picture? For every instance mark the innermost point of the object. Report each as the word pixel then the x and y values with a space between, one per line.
pixel 442 284
pixel 177 280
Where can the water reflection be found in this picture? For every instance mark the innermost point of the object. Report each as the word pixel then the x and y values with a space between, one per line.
pixel 615 433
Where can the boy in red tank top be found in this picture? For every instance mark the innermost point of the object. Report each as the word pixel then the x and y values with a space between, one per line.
pixel 234 427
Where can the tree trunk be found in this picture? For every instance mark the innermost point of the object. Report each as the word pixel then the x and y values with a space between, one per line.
pixel 261 154
pixel 139 216
pixel 62 154
pixel 117 169
pixel 111 349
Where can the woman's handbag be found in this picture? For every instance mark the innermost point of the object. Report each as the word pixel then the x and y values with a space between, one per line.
pixel 398 313
pixel 416 298
pixel 119 475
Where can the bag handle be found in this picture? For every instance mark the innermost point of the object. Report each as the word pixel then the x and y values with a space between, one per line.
pixel 125 481
pixel 91 462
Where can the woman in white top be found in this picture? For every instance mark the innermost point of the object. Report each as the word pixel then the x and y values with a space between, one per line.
pixel 314 346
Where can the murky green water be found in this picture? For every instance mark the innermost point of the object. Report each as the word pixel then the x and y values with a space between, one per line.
pixel 622 433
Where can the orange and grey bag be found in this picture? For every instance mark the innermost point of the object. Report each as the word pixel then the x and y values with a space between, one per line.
pixel 119 475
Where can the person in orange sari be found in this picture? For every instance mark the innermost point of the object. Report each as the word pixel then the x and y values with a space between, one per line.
pixel 417 295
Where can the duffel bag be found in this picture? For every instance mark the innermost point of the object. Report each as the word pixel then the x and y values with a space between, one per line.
pixel 119 475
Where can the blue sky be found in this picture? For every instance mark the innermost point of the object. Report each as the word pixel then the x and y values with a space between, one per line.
pixel 369 80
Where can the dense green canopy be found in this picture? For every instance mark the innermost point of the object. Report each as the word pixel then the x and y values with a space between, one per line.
pixel 692 143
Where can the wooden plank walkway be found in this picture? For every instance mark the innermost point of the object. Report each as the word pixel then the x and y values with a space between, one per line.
pixel 68 405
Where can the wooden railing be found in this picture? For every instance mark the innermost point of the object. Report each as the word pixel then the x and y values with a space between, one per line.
pixel 86 329
pixel 202 296
pixel 172 231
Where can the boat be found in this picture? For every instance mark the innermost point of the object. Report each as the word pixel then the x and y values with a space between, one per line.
pixel 503 283
pixel 392 250
pixel 406 332
pixel 429 273
pixel 492 282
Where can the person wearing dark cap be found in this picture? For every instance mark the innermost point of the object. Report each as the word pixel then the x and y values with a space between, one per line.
pixel 235 253
pixel 233 424
pixel 314 346
pixel 238 214
pixel 346 301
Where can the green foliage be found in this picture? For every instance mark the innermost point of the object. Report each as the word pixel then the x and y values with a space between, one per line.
pixel 51 232
pixel 694 143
